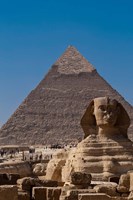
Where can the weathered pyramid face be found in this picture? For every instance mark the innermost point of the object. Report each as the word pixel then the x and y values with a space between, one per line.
pixel 52 112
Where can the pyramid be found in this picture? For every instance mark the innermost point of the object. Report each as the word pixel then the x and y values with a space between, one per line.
pixel 51 113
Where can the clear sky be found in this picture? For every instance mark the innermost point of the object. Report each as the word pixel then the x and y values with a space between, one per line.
pixel 34 33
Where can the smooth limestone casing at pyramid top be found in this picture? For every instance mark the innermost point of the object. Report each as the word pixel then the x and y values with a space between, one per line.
pixel 51 113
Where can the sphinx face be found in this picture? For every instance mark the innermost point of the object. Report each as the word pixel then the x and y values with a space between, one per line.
pixel 105 111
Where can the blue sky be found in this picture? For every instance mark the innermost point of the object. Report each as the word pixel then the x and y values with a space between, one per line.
pixel 33 34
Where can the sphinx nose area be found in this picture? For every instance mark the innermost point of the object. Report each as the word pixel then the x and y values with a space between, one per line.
pixel 108 116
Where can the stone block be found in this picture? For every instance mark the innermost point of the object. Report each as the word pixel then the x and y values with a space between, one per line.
pixel 71 195
pixel 67 193
pixel 53 193
pixel 48 183
pixel 107 189
pixel 122 189
pixel 125 194
pixel 50 194
pixel 13 178
pixel 8 192
pixel 39 169
pixel 131 181
pixel 125 181
pixel 8 179
pixel 4 179
pixel 130 197
pixel 26 183
pixel 22 195
pixel 39 193
pixel 92 196
pixel 21 168
pixel 56 193
pixel 82 191
pixel 79 178
pixel 43 193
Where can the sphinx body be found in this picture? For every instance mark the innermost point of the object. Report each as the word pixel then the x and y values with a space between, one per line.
pixel 101 158
pixel 106 150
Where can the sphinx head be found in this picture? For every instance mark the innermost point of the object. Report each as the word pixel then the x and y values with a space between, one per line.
pixel 104 112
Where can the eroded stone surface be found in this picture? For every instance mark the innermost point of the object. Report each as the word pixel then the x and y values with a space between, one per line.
pixel 124 183
pixel 23 195
pixel 79 178
pixel 8 192
pixel 107 189
pixel 21 168
pixel 131 180
pixel 39 169
pixel 106 151
pixel 8 179
pixel 41 193
pixel 54 167
pixel 94 197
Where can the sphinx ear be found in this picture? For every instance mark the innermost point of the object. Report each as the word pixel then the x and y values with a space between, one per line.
pixel 88 121
pixel 123 120
pixel 92 110
pixel 118 110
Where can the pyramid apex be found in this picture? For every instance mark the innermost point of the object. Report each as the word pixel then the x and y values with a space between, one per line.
pixel 72 62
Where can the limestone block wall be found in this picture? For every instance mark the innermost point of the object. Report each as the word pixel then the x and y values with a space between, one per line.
pixel 8 192
pixel 21 168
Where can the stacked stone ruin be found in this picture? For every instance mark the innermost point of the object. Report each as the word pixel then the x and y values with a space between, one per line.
pixel 81 187
pixel 100 167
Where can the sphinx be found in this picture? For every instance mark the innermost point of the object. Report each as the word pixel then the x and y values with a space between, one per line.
pixel 105 117
pixel 105 150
